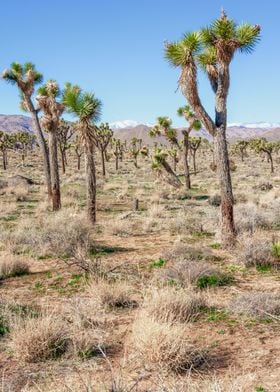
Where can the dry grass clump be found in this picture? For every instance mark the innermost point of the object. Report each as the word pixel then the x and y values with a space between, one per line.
pixel 56 234
pixel 11 266
pixel 39 339
pixel 112 295
pixel 250 217
pixel 255 251
pixel 123 228
pixel 181 251
pixel 165 345
pixel 174 305
pixel 257 304
pixel 187 272
pixel 182 224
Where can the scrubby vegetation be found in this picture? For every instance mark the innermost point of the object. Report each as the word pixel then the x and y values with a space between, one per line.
pixel 140 269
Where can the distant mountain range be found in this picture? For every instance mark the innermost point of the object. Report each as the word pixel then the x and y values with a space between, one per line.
pixel 128 129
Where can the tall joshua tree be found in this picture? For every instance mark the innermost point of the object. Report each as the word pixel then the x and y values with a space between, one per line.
pixel 6 142
pixel 194 124
pixel 195 143
pixel 52 110
pixel 65 132
pixel 88 110
pixel 103 135
pixel 213 49
pixel 26 77
pixel 164 128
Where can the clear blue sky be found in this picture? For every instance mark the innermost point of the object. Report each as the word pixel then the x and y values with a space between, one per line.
pixel 115 48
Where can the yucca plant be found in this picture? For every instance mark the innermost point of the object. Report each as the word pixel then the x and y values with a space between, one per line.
pixel 103 137
pixel 264 146
pixel 213 49
pixel 52 111
pixel 87 108
pixel 26 77
pixel 194 124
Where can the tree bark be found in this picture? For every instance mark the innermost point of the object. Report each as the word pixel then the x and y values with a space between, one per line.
pixel 4 160
pixel 42 143
pixel 62 154
pixel 103 162
pixel 56 199
pixel 194 161
pixel 167 174
pixel 91 182
pixel 186 163
pixel 228 232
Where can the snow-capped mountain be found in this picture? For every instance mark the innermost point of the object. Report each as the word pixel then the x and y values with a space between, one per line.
pixel 126 124
pixel 262 125
pixel 123 124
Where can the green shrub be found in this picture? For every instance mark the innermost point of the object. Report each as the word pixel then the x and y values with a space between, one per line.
pixel 213 280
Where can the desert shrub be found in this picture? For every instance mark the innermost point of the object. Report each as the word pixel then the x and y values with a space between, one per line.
pixel 263 186
pixel 12 312
pixel 187 272
pixel 181 251
pixel 123 228
pixel 257 304
pixel 217 279
pixel 55 234
pixel 39 339
pixel 215 200
pixel 248 217
pixel 11 266
pixel 184 223
pixel 276 250
pixel 112 295
pixel 255 251
pixel 165 345
pixel 170 305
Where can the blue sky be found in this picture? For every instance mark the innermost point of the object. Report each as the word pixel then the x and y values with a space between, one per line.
pixel 115 48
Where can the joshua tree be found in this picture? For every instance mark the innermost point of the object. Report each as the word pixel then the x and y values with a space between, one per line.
pixel 240 147
pixel 52 110
pixel 79 151
pixel 164 128
pixel 26 77
pixel 194 124
pixel 173 153
pixel 195 143
pixel 163 169
pixel 134 149
pixel 24 142
pixel 117 145
pixel 88 110
pixel 103 135
pixel 213 49
pixel 65 132
pixel 6 142
pixel 268 148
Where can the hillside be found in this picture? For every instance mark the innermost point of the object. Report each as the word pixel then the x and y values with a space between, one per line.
pixel 126 130
pixel 15 122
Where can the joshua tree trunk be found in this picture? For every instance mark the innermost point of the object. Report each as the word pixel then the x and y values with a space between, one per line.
pixel 103 163
pixel 228 233
pixel 117 162
pixel 4 160
pixel 56 201
pixel 175 164
pixel 79 162
pixel 168 175
pixel 91 182
pixel 63 160
pixel 194 162
pixel 42 144
pixel 271 163
pixel 186 163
